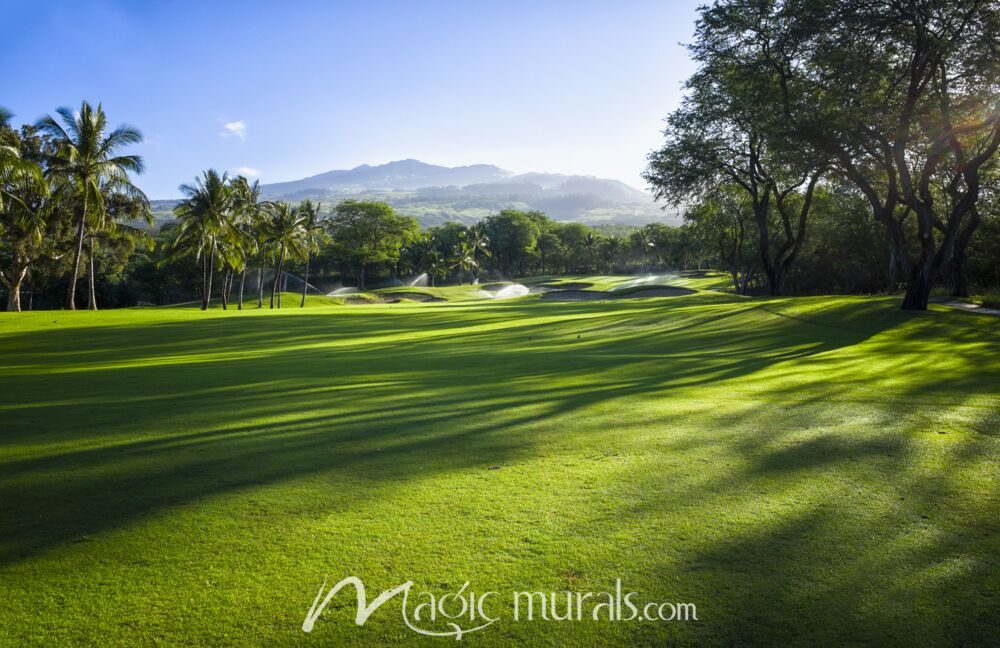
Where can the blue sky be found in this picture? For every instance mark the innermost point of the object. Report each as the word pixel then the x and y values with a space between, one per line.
pixel 291 89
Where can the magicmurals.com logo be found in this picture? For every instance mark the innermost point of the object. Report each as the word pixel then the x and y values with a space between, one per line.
pixel 459 613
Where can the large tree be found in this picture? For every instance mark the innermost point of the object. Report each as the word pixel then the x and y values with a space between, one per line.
pixel 249 214
pixel 284 237
pixel 117 228
pixel 724 221
pixel 367 234
pixel 25 208
pixel 904 97
pixel 728 132
pixel 313 233
pixel 89 159
pixel 922 123
pixel 207 228
pixel 512 235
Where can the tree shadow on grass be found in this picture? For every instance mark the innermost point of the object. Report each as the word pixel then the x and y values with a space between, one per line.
pixel 108 425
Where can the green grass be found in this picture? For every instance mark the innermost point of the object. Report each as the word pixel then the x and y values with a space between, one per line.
pixel 812 471
pixel 289 300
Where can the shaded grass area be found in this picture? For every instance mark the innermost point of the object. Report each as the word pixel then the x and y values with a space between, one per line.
pixel 807 471
pixel 288 300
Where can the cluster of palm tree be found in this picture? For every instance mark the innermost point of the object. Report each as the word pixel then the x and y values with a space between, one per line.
pixel 472 246
pixel 466 256
pixel 224 225
pixel 81 176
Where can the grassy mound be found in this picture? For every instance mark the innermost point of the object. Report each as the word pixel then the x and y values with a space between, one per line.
pixel 818 471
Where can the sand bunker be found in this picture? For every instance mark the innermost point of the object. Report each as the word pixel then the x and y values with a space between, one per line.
pixel 595 295
pixel 354 301
pixel 392 298
pixel 576 295
pixel 412 296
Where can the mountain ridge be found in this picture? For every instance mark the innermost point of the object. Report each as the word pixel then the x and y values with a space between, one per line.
pixel 434 193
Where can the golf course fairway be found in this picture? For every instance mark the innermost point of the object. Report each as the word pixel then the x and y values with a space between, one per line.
pixel 805 471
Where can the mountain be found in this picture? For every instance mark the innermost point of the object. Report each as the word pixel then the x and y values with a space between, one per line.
pixel 434 194
pixel 395 176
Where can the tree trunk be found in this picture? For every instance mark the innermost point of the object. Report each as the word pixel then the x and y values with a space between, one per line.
pixel 14 289
pixel 960 254
pixel 225 290
pixel 91 294
pixel 81 230
pixel 893 277
pixel 959 286
pixel 204 282
pixel 208 283
pixel 243 280
pixel 918 289
pixel 277 278
pixel 361 279
pixel 305 283
pixel 260 286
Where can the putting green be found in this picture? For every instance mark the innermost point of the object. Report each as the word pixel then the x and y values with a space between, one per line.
pixel 806 471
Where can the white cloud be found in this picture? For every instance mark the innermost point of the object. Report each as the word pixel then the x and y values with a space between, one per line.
pixel 235 129
pixel 249 172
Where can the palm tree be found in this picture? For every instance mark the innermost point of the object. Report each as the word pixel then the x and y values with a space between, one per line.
pixel 206 227
pixel 116 225
pixel 312 236
pixel 464 259
pixel 643 239
pixel 88 159
pixel 436 265
pixel 590 241
pixel 612 247
pixel 248 212
pixel 284 235
pixel 116 228
pixel 480 246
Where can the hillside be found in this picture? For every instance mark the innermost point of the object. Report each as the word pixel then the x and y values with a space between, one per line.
pixel 434 194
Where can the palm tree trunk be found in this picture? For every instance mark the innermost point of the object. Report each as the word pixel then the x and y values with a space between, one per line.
pixel 71 297
pixel 225 290
pixel 260 286
pixel 305 283
pixel 211 271
pixel 204 282
pixel 92 294
pixel 243 280
pixel 283 284
pixel 277 277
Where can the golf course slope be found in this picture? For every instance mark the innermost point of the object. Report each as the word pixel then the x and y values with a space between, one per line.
pixel 810 471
